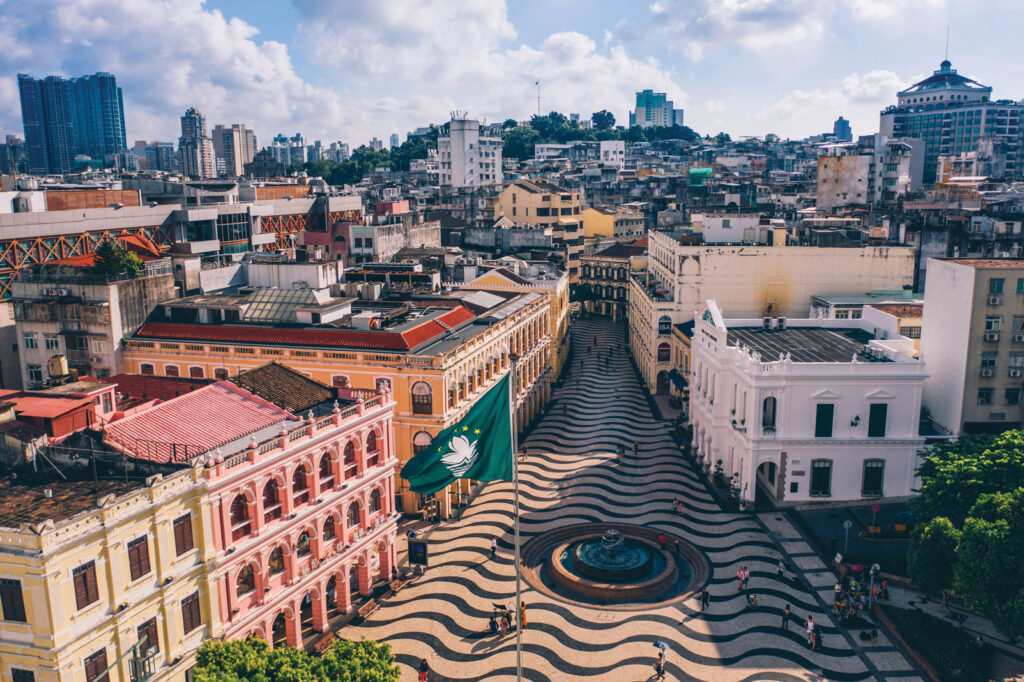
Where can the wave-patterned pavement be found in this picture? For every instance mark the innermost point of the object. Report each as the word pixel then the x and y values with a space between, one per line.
pixel 571 475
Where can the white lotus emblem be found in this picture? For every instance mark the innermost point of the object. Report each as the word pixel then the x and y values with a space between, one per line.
pixel 462 456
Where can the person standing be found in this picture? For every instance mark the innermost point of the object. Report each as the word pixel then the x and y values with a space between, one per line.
pixel 522 613
pixel 781 569
pixel 424 670
pixel 809 624
pixel 675 503
pixel 494 547
pixel 785 618
pixel 659 665
pixel 746 577
pixel 636 448
pixel 705 599
pixel 662 539
pixel 739 579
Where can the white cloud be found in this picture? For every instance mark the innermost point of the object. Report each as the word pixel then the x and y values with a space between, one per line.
pixel 714 106
pixel 884 10
pixel 874 86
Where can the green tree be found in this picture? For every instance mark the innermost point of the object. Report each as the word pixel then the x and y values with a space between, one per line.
pixel 519 142
pixel 602 120
pixel 932 557
pixel 509 124
pixel 114 262
pixel 252 660
pixel 955 473
pixel 990 560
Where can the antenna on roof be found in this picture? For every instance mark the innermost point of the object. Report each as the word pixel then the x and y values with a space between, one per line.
pixel 947 42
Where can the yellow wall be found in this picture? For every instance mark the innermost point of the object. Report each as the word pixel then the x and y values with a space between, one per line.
pixel 597 222
pixel 59 636
pixel 564 218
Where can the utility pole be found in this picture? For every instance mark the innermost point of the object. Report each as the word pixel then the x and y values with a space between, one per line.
pixel 537 83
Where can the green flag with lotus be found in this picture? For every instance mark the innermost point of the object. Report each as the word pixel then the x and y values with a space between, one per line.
pixel 478 447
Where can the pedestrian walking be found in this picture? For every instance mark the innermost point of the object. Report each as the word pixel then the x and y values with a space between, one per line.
pixel 636 448
pixel 809 624
pixel 522 614
pixel 705 599
pixel 662 539
pixel 751 601
pixel 679 509
pixel 781 569
pixel 739 579
pixel 494 547
pixel 659 664
pixel 424 670
pixel 675 503
pixel 675 549
pixel 746 577
pixel 785 618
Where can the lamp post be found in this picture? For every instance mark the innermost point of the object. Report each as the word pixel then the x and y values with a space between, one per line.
pixel 871 593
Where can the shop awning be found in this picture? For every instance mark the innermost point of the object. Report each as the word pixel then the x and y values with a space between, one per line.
pixel 678 379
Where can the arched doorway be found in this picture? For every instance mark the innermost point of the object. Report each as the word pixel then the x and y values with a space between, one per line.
pixel 767 489
pixel 662 383
pixel 279 631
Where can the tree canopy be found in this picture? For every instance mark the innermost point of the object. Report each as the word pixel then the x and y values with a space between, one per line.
pixel 113 262
pixel 365 160
pixel 932 555
pixel 602 120
pixel 252 660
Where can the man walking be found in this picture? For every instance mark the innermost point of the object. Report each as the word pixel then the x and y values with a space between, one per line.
pixel 705 599
pixel 494 547
pixel 424 670
pixel 781 569
pixel 522 613
pixel 809 624
pixel 785 618
pixel 659 666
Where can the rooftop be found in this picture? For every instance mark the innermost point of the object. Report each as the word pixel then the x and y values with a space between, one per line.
pixel 24 500
pixel 539 186
pixel 284 387
pixel 135 389
pixel 804 344
pixel 41 405
pixel 197 422
pixel 945 78
pixel 621 251
pixel 988 263
pixel 870 298
pixel 901 309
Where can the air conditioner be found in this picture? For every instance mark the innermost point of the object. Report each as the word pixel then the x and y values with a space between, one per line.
pixel 1015 373
pixel 780 323
pixel 766 322
pixel 991 336
pixel 986 372
pixel 995 300
pixel 1019 338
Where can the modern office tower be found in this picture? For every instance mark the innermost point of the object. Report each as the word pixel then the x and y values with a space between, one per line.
pixel 196 147
pixel 64 118
pixel 842 130
pixel 654 109
pixel 236 145
pixel 953 114
pixel 467 158
pixel 376 144
pixel 393 142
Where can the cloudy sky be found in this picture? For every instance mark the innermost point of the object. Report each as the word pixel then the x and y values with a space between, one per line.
pixel 351 69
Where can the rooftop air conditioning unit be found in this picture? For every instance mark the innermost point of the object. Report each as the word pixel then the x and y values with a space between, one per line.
pixel 780 323
pixel 986 372
pixel 766 322
pixel 995 300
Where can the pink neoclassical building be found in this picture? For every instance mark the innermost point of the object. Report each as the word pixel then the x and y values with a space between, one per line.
pixel 304 518
pixel 300 496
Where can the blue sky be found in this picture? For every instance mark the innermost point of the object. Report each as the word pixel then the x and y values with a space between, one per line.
pixel 351 69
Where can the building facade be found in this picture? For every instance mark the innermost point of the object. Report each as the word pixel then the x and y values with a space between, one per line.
pixel 604 279
pixel 973 329
pixel 655 109
pixel 803 412
pixel 746 281
pixel 466 158
pixel 195 146
pixel 539 203
pixel 236 145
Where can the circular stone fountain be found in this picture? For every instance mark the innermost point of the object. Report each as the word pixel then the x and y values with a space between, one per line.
pixel 613 563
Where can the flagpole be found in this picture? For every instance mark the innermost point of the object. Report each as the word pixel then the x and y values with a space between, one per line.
pixel 512 390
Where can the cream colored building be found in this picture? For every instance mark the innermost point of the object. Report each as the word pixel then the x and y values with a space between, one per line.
pixel 612 223
pixel 86 573
pixel 747 282
pixel 540 203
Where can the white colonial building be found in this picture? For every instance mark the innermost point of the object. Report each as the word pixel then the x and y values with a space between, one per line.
pixel 803 410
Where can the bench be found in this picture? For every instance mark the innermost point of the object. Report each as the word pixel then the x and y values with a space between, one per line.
pixel 397 585
pixel 325 643
pixel 368 608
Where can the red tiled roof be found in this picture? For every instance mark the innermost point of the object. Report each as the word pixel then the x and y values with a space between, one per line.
pixel 643 241
pixel 41 406
pixel 201 420
pixel 163 388
pixel 343 338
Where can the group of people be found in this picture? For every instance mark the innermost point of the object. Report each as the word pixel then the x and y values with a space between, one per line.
pixel 503 619
pixel 852 594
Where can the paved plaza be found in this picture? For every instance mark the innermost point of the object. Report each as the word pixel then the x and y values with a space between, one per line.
pixel 571 476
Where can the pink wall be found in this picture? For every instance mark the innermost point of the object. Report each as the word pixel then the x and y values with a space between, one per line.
pixel 344 487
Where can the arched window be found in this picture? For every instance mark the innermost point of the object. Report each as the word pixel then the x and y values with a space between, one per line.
pixel 664 352
pixel 275 562
pixel 246 581
pixel 621 274
pixel 171 371
pixel 351 465
pixel 422 398
pixel 146 369
pixel 664 324
pixel 271 501
pixel 302 545
pixel 768 413
pixel 196 373
pixel 239 515
pixel 372 449
pixel 328 533
pixel 352 518
pixel 420 442
pixel 220 374
pixel 375 501
pixel 300 486
pixel 586 271
pixel 326 473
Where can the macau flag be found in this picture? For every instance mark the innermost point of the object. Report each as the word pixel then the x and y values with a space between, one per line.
pixel 479 447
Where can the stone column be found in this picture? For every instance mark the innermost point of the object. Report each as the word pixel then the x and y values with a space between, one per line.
pixel 293 626
pixel 320 609
pixel 343 592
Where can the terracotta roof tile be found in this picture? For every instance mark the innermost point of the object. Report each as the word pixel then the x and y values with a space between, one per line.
pixel 284 387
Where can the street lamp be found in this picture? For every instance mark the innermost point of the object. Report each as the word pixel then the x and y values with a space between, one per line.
pixel 871 593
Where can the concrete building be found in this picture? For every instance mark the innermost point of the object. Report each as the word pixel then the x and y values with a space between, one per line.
pixel 747 282
pixel 81 321
pixel 154 156
pixel 537 203
pixel 654 109
pixel 953 114
pixel 876 170
pixel 604 278
pixel 466 158
pixel 842 130
pixel 973 339
pixel 801 412
pixel 195 147
pixel 618 223
pixel 236 146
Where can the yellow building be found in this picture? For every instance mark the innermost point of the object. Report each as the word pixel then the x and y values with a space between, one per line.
pixel 88 570
pixel 540 203
pixel 437 360
pixel 555 288
pixel 614 224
